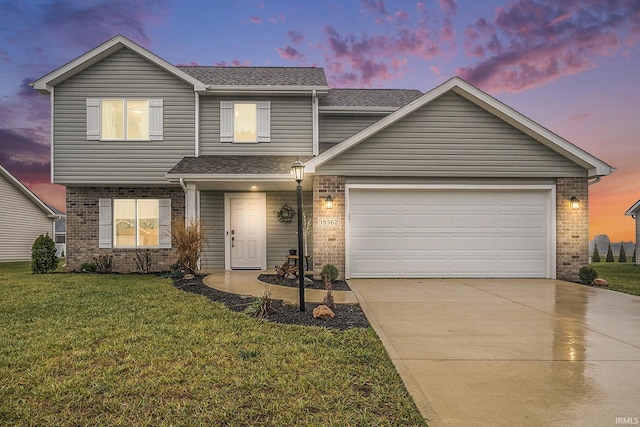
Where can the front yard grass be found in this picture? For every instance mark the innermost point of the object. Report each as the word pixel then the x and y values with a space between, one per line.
pixel 133 350
pixel 622 277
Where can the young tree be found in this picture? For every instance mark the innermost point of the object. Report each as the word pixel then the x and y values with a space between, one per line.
pixel 633 258
pixel 623 255
pixel 610 254
pixel 596 254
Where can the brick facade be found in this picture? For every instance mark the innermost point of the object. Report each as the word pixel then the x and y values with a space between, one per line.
pixel 572 228
pixel 328 241
pixel 83 226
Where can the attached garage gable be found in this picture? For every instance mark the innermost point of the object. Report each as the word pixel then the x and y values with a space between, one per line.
pixel 450 232
pixel 451 136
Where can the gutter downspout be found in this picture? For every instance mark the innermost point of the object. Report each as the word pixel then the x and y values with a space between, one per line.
pixel 314 121
pixel 595 181
pixel 184 187
pixel 197 125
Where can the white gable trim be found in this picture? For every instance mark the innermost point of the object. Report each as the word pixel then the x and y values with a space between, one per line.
pixel 633 210
pixel 46 83
pixel 595 166
pixel 30 195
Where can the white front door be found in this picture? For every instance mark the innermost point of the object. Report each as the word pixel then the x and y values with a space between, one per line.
pixel 246 230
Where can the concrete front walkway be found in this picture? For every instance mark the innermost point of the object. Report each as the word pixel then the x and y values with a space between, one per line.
pixel 510 352
pixel 245 282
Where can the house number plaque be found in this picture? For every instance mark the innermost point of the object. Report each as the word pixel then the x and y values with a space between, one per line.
pixel 329 222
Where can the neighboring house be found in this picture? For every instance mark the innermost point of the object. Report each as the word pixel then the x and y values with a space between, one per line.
pixel 23 217
pixel 634 212
pixel 450 183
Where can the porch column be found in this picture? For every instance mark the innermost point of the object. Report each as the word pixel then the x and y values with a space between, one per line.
pixel 191 203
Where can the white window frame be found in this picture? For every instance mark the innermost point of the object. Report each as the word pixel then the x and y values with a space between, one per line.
pixel 94 119
pixel 106 221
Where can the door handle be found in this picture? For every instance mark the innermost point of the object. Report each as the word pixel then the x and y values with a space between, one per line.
pixel 232 241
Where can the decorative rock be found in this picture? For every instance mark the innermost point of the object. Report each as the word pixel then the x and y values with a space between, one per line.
pixel 322 312
pixel 289 303
pixel 189 277
pixel 600 282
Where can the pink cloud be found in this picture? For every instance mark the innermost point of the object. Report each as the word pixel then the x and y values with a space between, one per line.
pixel 291 54
pixel 296 37
pixel 448 6
pixel 233 63
pixel 255 20
pixel 377 6
pixel 531 42
pixel 371 59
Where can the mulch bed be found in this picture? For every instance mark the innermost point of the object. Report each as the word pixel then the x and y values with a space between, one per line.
pixel 274 279
pixel 346 316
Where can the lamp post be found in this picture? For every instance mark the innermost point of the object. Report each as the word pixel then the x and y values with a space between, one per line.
pixel 298 174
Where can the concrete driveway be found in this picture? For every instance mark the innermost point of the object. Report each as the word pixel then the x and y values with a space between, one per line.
pixel 507 352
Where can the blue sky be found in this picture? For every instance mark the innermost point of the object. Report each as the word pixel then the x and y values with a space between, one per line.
pixel 570 65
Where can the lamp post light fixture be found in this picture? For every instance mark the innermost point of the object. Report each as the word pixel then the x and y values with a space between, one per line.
pixel 298 174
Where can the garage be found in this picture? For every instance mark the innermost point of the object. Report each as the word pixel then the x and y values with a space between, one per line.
pixel 450 232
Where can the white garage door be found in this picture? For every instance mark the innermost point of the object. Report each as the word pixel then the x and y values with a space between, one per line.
pixel 448 233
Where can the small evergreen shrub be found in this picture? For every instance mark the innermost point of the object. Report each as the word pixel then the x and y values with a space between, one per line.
pixel 633 258
pixel 88 267
pixel 329 272
pixel 610 255
pixel 43 255
pixel 623 255
pixel 587 274
pixel 596 254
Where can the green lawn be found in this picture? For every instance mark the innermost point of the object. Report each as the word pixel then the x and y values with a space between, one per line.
pixel 622 277
pixel 132 350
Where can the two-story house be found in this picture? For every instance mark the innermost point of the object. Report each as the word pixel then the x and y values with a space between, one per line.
pixel 449 183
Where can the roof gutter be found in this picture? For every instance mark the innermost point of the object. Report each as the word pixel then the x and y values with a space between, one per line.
pixel 595 181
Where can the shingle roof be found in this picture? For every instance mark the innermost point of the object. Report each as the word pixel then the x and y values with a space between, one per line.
pixel 369 97
pixel 257 76
pixel 228 165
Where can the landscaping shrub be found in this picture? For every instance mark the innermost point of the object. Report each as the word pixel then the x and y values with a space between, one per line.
pixel 261 306
pixel 623 255
pixel 104 263
pixel 329 272
pixel 188 240
pixel 143 261
pixel 43 255
pixel 596 254
pixel 587 274
pixel 633 258
pixel 88 267
pixel 610 255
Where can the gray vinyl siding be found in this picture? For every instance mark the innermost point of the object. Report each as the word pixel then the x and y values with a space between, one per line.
pixel 280 236
pixel 21 222
pixel 451 137
pixel 212 220
pixel 291 128
pixel 336 128
pixel 121 75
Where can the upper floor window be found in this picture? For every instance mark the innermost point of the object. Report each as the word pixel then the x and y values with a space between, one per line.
pixel 124 119
pixel 245 121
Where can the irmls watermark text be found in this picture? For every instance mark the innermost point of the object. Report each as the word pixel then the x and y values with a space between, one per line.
pixel 627 421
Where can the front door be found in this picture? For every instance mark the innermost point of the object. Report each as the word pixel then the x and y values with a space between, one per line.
pixel 246 231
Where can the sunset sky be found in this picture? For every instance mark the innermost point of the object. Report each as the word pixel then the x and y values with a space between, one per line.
pixel 573 66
